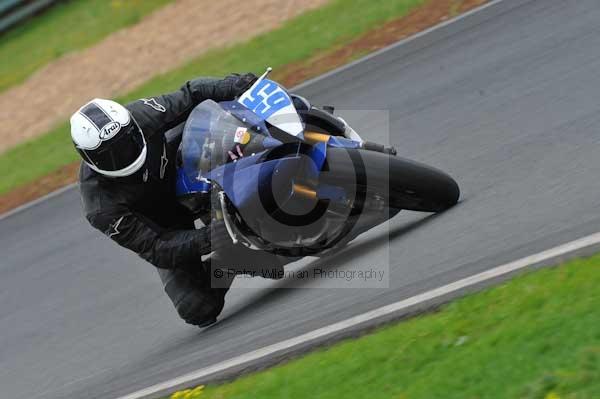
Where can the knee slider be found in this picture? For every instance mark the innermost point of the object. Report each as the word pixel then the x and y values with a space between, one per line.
pixel 199 309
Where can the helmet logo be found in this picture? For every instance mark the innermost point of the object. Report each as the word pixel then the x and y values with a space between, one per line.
pixel 110 130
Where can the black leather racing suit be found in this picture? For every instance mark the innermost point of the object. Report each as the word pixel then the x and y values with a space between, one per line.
pixel 141 213
pixel 133 211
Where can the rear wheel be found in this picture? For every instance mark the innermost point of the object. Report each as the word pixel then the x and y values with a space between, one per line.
pixel 402 183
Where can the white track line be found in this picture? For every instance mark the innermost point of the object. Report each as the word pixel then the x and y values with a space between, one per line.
pixel 388 310
pixel 37 201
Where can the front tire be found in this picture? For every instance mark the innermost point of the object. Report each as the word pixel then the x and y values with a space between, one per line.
pixel 403 183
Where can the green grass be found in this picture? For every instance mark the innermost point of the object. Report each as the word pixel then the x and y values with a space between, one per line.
pixel 65 27
pixel 535 337
pixel 321 29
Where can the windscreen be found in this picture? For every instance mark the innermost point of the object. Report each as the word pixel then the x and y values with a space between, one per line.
pixel 213 137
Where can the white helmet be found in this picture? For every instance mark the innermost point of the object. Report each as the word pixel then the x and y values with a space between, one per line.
pixel 108 138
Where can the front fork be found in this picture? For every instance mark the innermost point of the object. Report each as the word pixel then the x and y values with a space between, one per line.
pixel 343 142
pixel 227 217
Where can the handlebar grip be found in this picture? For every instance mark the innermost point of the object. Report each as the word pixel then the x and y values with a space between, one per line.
pixel 370 146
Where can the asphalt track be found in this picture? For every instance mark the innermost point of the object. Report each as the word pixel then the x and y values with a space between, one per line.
pixel 507 101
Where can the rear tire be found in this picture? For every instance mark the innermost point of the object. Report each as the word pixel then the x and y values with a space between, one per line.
pixel 403 183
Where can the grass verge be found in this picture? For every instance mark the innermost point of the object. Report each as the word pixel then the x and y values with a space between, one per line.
pixel 298 39
pixel 535 337
pixel 65 27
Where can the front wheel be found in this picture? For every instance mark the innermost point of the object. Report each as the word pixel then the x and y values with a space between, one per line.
pixel 402 183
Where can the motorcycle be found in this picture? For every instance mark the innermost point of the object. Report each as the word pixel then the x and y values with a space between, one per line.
pixel 289 182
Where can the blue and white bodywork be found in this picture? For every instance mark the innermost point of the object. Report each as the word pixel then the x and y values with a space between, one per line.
pixel 256 152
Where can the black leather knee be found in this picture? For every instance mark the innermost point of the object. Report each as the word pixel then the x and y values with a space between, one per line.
pixel 195 301
pixel 199 309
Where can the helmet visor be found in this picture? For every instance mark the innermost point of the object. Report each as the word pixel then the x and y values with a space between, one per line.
pixel 120 153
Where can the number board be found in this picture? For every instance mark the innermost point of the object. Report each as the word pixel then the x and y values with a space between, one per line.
pixel 265 99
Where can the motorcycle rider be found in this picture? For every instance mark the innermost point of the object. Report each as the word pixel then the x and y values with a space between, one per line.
pixel 127 185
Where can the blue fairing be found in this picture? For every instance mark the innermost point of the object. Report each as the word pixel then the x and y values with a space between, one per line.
pixel 342 142
pixel 242 181
pixel 185 185
pixel 228 144
pixel 318 154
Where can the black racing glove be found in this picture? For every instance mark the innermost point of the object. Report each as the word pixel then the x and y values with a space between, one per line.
pixel 243 82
